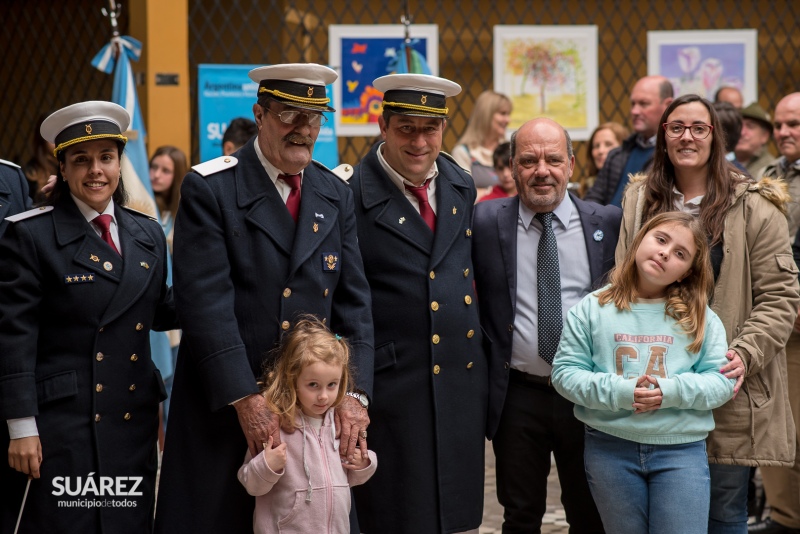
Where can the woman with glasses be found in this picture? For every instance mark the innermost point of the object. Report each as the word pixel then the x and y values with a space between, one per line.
pixel 755 291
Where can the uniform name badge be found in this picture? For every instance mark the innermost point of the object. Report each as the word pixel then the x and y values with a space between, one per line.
pixel 330 262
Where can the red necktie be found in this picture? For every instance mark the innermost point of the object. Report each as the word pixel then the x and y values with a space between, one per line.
pixel 425 209
pixel 293 201
pixel 104 223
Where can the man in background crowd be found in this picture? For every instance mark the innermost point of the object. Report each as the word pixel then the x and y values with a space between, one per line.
pixel 649 99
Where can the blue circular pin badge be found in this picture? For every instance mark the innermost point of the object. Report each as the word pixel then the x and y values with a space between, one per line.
pixel 598 235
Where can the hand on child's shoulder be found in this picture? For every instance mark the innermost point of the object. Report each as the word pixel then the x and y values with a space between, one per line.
pixel 275 458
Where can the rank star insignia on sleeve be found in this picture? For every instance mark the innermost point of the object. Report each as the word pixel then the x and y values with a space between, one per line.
pixel 598 235
pixel 330 261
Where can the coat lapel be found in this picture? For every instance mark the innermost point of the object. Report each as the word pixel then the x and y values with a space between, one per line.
pixel 318 215
pixel 141 262
pixel 395 214
pixel 91 252
pixel 268 212
pixel 591 223
pixel 507 217
pixel 452 207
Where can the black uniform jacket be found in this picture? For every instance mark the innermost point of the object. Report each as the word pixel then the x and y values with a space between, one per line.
pixel 428 411
pixel 244 271
pixel 495 257
pixel 13 192
pixel 75 352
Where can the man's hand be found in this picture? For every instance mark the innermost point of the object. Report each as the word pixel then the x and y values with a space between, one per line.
pixel 49 186
pixel 644 398
pixel 734 369
pixel 351 421
pixel 25 455
pixel 258 423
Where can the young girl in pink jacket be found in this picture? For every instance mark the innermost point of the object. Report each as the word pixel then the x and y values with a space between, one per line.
pixel 302 485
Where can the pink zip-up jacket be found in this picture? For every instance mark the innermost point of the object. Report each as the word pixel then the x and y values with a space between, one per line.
pixel 284 503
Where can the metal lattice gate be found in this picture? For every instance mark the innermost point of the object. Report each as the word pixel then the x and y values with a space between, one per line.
pixel 46 47
pixel 246 31
pixel 46 52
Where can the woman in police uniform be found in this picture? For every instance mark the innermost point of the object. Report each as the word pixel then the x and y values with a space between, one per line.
pixel 82 282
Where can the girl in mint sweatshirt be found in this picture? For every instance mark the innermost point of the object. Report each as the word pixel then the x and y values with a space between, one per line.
pixel 640 359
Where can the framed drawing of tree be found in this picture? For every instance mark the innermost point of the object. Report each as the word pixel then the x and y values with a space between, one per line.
pixel 549 71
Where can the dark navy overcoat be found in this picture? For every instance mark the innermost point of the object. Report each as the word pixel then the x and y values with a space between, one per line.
pixel 428 412
pixel 244 271
pixel 13 192
pixel 75 353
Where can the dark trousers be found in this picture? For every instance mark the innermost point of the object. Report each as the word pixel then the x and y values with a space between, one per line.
pixel 535 422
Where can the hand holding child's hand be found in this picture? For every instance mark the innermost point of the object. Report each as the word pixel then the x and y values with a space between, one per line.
pixel 360 458
pixel 644 398
pixel 276 458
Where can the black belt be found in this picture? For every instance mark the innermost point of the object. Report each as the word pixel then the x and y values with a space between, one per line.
pixel 525 379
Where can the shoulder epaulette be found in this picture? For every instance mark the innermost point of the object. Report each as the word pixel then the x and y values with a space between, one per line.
pixel 343 171
pixel 137 212
pixel 28 214
pixel 215 165
pixel 10 164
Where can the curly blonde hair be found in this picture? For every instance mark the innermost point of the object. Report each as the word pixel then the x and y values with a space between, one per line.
pixel 308 342
pixel 688 298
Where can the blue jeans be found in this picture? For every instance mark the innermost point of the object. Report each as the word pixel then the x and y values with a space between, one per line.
pixel 728 513
pixel 641 489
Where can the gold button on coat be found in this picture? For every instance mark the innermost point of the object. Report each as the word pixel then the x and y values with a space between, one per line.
pixel 466 273
pixel 99 357
pixel 434 305
pixel 132 387
pixel 432 275
pixel 134 357
pixel 506 365
pixel 98 388
pixel 436 369
pixel 470 333
pixel 469 365
pixel 139 326
pixel 127 417
pixel 468 299
pixel 285 325
pixel 97 418
pixel 325 293
pixel 101 328
pixel 435 339
pixel 287 292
